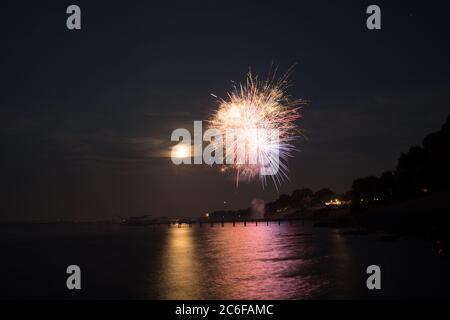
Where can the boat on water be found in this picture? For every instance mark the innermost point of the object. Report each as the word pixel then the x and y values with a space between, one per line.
pixel 146 220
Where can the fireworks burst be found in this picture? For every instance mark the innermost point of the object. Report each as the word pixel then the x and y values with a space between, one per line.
pixel 259 106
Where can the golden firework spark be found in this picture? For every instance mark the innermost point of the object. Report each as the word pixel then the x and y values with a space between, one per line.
pixel 253 107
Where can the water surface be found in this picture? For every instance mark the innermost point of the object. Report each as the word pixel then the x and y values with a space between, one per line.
pixel 253 262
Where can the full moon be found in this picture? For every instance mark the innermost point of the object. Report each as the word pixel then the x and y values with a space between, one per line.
pixel 181 151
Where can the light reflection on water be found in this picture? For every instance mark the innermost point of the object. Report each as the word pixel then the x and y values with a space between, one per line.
pixel 275 262
pixel 264 262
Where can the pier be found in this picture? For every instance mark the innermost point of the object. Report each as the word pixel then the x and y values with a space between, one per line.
pixel 233 222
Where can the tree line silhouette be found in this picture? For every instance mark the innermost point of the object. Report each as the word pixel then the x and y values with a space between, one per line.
pixel 421 171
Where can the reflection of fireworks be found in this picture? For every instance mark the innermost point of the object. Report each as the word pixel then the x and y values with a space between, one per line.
pixel 253 106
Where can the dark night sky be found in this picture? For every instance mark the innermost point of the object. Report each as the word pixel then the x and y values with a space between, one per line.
pixel 83 113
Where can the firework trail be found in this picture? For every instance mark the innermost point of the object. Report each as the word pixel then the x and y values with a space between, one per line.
pixel 253 106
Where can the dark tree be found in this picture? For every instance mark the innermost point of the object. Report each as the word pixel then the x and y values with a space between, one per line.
pixel 385 187
pixel 437 149
pixel 324 194
pixel 419 171
pixel 411 172
pixel 364 190
pixel 300 196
